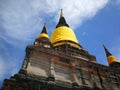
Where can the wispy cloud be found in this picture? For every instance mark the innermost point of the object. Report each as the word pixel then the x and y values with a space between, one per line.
pixel 10 60
pixel 7 69
pixel 20 20
pixel 1 68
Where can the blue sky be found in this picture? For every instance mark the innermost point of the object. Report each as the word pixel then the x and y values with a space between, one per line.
pixel 95 22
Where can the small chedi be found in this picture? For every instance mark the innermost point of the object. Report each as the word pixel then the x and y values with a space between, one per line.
pixel 61 63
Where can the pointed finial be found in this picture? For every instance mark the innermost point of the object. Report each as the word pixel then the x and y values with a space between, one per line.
pixel 44 24
pixel 62 21
pixel 44 29
pixel 61 14
pixel 106 51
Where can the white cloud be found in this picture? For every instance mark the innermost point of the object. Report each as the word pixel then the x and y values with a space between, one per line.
pixel 1 68
pixel 9 61
pixel 7 67
pixel 22 19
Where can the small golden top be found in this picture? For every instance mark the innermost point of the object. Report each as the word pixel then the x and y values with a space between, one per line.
pixel 44 32
pixel 43 35
pixel 111 59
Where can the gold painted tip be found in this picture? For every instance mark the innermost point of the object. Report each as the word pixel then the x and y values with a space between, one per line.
pixel 61 14
pixel 111 59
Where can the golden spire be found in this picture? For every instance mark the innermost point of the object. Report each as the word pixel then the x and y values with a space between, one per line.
pixel 44 32
pixel 110 58
pixel 63 34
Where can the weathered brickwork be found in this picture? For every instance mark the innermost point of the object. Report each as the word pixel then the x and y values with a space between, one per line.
pixel 51 69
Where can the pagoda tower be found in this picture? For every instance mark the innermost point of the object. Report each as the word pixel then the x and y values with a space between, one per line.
pixel 61 63
pixel 112 60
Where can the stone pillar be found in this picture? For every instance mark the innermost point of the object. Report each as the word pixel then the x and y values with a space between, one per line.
pixel 51 70
pixel 75 80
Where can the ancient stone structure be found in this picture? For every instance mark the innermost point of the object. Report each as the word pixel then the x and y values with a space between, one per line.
pixel 61 63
